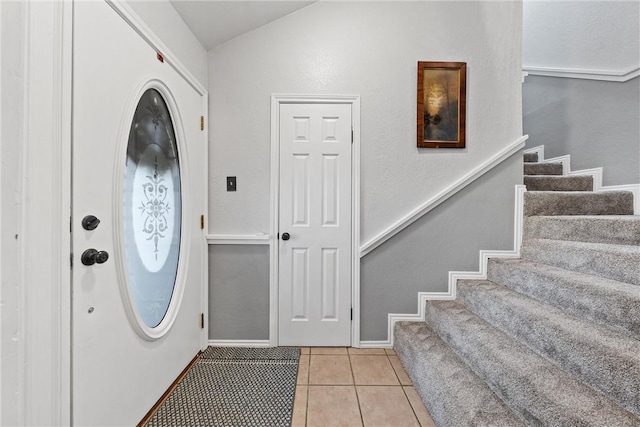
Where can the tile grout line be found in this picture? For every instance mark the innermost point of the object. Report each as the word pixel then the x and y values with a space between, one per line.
pixel 306 406
pixel 355 388
pixel 402 387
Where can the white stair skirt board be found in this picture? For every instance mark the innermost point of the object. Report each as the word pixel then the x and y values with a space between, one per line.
pixel 596 173
pixel 450 294
pixel 239 343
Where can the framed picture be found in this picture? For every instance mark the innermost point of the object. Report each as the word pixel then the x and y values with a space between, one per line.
pixel 442 91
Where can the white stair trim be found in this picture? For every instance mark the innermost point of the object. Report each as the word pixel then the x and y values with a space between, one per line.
pixel 443 195
pixel 450 293
pixel 596 173
pixel 481 274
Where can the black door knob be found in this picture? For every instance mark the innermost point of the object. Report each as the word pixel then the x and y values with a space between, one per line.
pixel 285 236
pixel 90 222
pixel 93 256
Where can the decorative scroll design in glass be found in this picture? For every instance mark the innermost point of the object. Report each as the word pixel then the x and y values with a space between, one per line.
pixel 152 208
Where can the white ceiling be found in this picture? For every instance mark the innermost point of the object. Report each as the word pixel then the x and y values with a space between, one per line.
pixel 214 22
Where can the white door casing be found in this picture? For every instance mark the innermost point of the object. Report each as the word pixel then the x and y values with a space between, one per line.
pixel 119 367
pixel 316 187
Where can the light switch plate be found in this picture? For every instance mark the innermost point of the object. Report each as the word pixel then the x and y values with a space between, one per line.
pixel 231 183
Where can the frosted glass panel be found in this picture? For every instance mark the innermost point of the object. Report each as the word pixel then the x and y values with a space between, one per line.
pixel 152 208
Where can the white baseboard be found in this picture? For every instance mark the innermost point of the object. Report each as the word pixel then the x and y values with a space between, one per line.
pixel 375 344
pixel 239 343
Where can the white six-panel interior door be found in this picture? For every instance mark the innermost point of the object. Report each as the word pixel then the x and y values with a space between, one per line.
pixel 315 224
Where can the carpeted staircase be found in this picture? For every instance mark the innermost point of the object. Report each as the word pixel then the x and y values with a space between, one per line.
pixel 551 338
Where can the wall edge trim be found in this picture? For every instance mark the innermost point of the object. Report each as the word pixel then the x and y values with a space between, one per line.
pixel 620 75
pixel 238 239
pixel 130 17
pixel 441 196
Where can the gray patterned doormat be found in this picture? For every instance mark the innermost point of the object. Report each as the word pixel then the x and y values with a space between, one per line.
pixel 231 386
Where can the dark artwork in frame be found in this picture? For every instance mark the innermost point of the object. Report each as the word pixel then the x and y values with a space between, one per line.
pixel 441 103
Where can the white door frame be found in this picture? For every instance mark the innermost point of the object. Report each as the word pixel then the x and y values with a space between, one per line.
pixel 45 350
pixel 276 101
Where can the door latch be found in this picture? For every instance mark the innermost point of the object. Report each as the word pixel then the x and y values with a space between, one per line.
pixel 93 256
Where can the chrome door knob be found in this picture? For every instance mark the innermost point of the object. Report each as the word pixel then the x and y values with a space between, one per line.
pixel 285 236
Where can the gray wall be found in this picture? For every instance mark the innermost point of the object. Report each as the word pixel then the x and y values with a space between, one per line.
pixel 450 237
pixel 418 259
pixel 239 292
pixel 596 122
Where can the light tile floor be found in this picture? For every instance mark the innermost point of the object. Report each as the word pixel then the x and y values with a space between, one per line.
pixel 355 387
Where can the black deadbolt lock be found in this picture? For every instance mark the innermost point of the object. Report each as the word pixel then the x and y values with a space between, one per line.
pixel 90 222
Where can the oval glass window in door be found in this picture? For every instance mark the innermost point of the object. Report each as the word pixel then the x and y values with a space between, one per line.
pixel 152 209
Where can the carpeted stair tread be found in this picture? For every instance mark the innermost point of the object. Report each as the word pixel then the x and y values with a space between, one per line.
pixel 578 203
pixel 611 229
pixel 543 169
pixel 559 183
pixel 599 357
pixel 616 262
pixel 534 388
pixel 613 304
pixel 530 157
pixel 452 393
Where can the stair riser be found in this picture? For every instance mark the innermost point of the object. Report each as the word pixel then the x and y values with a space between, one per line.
pixel 611 304
pixel 620 231
pixel 532 387
pixel 558 203
pixel 564 183
pixel 543 169
pixel 432 365
pixel 615 264
pixel 530 157
pixel 606 361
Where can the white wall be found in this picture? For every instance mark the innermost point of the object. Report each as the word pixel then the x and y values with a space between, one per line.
pixel 12 108
pixel 591 35
pixel 370 49
pixel 169 27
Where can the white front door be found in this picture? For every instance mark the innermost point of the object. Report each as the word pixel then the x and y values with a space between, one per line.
pixel 139 169
pixel 315 224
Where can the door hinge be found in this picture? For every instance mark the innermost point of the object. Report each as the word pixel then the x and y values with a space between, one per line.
pixel 201 320
pixel 71 259
pixel 201 222
pixel 352 136
pixel 351 313
pixel 201 122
